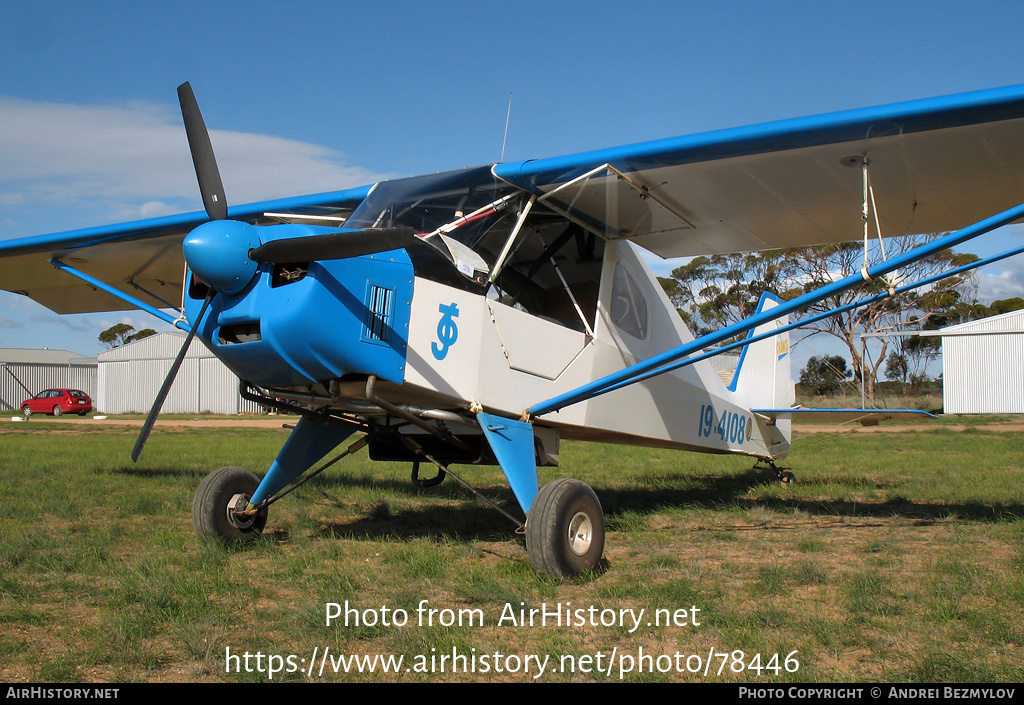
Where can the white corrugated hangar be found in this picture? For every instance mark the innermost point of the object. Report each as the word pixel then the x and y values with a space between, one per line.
pixel 983 366
pixel 130 376
pixel 24 373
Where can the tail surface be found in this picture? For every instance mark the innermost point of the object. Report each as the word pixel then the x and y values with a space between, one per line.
pixel 762 378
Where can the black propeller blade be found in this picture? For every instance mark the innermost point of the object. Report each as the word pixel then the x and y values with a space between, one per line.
pixel 202 155
pixel 216 208
pixel 161 396
pixel 333 245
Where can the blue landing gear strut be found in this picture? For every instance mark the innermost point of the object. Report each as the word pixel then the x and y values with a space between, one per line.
pixel 230 503
pixel 564 519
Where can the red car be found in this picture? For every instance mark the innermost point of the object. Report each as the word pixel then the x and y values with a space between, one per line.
pixel 57 402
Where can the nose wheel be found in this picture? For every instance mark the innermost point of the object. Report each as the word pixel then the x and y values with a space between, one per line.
pixel 219 510
pixel 565 529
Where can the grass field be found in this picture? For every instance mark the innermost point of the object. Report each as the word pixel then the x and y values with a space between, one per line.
pixel 898 556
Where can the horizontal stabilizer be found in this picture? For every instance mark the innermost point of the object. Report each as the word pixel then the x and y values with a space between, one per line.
pixel 866 417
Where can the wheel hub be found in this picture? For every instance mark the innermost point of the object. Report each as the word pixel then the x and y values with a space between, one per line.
pixel 581 533
pixel 235 508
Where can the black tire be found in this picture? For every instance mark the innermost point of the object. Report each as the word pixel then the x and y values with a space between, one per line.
pixel 565 529
pixel 26 411
pixel 211 515
pixel 57 411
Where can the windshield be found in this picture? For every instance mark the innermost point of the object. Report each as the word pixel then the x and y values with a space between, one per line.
pixel 552 266
pixel 429 203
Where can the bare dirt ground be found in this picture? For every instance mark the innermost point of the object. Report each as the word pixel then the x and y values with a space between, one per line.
pixel 1013 425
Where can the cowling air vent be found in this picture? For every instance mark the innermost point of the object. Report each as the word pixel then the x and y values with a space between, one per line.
pixel 239 333
pixel 380 311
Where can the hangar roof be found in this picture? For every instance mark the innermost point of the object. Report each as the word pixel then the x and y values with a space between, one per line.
pixel 45 356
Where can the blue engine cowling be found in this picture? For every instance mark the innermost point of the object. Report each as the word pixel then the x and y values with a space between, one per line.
pixel 296 325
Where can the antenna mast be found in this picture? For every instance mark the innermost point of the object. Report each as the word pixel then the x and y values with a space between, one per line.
pixel 507 116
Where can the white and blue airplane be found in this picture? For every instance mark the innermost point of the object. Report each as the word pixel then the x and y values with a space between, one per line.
pixel 480 316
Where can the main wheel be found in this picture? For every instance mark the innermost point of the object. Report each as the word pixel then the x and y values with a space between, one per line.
pixel 57 411
pixel 565 529
pixel 213 510
pixel 26 411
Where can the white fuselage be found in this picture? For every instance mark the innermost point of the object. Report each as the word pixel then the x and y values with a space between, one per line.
pixel 478 353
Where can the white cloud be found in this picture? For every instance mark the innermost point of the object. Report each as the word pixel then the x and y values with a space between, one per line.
pixel 1004 284
pixel 155 209
pixel 66 166
pixel 132 161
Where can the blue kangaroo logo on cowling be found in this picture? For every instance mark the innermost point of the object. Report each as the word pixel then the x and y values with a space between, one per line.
pixel 447 331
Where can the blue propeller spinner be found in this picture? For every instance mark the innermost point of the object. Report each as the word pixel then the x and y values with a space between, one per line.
pixel 217 252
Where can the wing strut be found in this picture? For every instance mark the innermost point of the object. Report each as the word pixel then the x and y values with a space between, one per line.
pixel 644 192
pixel 660 363
pixel 131 300
pixel 868 208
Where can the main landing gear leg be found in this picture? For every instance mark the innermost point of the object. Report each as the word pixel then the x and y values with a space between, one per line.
pixel 564 519
pixel 228 502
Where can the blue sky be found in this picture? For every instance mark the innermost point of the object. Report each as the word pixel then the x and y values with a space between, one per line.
pixel 303 97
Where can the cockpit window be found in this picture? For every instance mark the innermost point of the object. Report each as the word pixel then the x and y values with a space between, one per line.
pixel 457 199
pixel 629 308
pixel 551 268
pixel 453 212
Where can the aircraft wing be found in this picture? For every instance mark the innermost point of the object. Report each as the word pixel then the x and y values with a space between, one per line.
pixel 934 165
pixel 866 417
pixel 142 259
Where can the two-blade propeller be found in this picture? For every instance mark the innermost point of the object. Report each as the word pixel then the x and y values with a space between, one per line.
pixel 209 247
